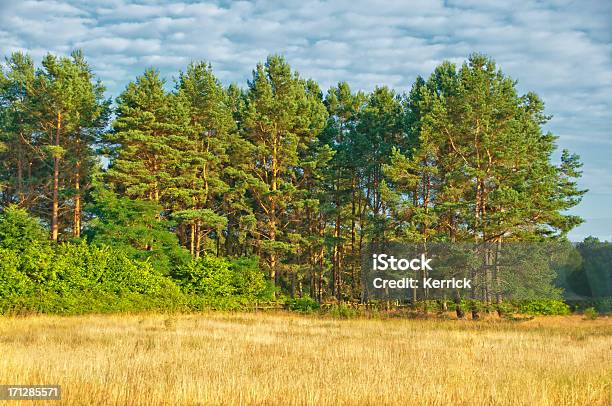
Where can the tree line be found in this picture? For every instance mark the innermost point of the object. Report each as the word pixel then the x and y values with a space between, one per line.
pixel 301 179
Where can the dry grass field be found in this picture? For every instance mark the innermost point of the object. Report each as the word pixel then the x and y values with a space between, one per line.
pixel 281 359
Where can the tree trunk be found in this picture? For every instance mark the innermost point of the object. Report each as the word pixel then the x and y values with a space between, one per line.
pixel 55 206
pixel 458 309
pixel 272 214
pixel 336 255
pixel 198 244
pixel 353 239
pixel 192 239
pixel 20 193
pixel 77 202
pixel 76 222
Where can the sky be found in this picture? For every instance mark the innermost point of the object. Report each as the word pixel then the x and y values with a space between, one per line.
pixel 561 50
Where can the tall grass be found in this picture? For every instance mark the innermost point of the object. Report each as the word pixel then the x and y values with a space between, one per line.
pixel 280 359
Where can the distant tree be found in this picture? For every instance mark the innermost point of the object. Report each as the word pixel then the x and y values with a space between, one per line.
pixel 596 270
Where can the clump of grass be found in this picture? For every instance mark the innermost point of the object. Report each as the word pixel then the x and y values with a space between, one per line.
pixel 591 313
pixel 343 311
pixel 304 304
pixel 170 323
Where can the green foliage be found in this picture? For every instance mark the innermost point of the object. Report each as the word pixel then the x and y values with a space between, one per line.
pixel 134 227
pixel 591 313
pixel 303 181
pixel 544 308
pixel 221 277
pixel 343 311
pixel 506 308
pixel 208 276
pixel 248 278
pixel 79 267
pixel 304 304
pixel 597 259
pixel 13 282
pixel 24 236
pixel 81 278
pixel 145 140
pixel 19 231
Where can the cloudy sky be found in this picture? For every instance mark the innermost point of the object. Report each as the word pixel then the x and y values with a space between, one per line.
pixel 562 50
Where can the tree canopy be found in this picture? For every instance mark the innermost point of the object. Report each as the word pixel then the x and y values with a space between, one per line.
pixel 277 170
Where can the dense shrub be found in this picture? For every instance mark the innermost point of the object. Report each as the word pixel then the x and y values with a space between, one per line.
pixel 220 277
pixel 304 304
pixel 343 311
pixel 248 279
pixel 25 237
pixel 80 279
pixel 20 232
pixel 544 307
pixel 13 282
pixel 78 267
pixel 591 313
pixel 74 278
pixel 208 276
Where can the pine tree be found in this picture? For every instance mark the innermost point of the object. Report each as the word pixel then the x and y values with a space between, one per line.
pixel 148 135
pixel 200 185
pixel 133 226
pixel 281 119
pixel 18 152
pixel 381 127
pixel 493 178
pixel 55 116
pixel 343 184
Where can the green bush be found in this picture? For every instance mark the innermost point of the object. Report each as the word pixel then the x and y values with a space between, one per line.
pixel 544 308
pixel 24 236
pixel 343 311
pixel 79 278
pixel 19 231
pixel 591 313
pixel 304 304
pixel 79 267
pixel 13 282
pixel 248 278
pixel 207 276
pixel 506 308
pixel 220 277
pixel 76 278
